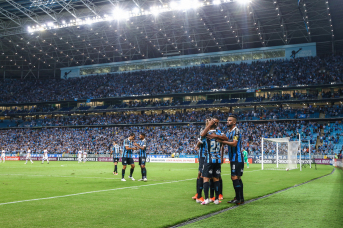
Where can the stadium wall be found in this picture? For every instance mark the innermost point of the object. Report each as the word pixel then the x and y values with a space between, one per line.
pixel 307 50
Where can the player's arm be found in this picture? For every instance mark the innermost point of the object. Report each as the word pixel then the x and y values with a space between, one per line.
pixel 140 147
pixel 207 128
pixel 130 148
pixel 234 141
pixel 197 146
pixel 222 153
pixel 217 137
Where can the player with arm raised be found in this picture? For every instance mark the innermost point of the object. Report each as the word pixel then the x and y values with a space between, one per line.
pixel 116 155
pixel 236 158
pixel 212 164
pixel 3 156
pixel 45 156
pixel 142 155
pixel 127 158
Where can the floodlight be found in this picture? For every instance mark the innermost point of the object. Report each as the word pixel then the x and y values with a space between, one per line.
pixel 244 1
pixel 136 10
pixel 120 14
pixel 154 11
pixel 174 5
pixel 216 2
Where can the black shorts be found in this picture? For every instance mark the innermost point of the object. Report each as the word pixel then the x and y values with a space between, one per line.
pixel 201 164
pixel 142 160
pixel 115 159
pixel 127 161
pixel 212 170
pixel 237 168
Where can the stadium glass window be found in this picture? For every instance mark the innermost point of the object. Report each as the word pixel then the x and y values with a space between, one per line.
pixel 174 63
pixel 140 66
pixel 257 55
pixel 215 59
pixel 154 65
pixel 114 69
pixel 191 62
pixel 274 54
pixel 246 56
pixel 132 67
pixel 205 60
pixel 123 68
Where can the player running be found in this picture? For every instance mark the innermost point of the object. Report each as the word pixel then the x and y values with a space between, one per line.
pixel 213 159
pixel 116 155
pixel 45 156
pixel 245 154
pixel 236 158
pixel 28 157
pixel 127 158
pixel 142 155
pixel 79 154
pixel 84 156
pixel 3 156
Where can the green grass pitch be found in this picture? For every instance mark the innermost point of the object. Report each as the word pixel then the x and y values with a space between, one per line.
pixel 68 194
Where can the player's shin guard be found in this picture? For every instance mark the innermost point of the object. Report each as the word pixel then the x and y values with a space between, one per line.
pixel 216 188
pixel 242 196
pixel 221 187
pixel 238 188
pixel 200 185
pixel 206 188
pixel 131 172
pixel 211 188
pixel 122 173
pixel 144 173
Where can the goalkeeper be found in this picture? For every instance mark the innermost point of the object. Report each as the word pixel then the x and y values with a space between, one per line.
pixel 245 154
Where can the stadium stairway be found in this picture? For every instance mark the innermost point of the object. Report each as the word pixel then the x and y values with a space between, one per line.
pixel 322 115
pixel 193 103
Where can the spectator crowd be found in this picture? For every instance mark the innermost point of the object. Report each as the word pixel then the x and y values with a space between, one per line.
pixel 303 71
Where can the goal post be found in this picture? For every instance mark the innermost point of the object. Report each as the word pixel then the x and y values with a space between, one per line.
pixel 279 154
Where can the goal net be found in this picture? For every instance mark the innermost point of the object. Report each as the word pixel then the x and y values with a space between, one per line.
pixel 279 154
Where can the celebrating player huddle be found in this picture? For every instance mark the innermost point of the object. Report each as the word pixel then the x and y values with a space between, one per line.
pixel 211 149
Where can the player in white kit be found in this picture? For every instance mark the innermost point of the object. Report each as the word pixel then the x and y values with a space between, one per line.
pixel 79 156
pixel 45 156
pixel 84 156
pixel 3 156
pixel 28 157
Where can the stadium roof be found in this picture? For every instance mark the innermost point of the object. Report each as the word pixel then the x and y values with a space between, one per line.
pixel 50 34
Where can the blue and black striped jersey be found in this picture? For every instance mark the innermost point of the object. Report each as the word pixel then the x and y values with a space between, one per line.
pixel 213 148
pixel 116 151
pixel 202 148
pixel 142 143
pixel 235 153
pixel 127 153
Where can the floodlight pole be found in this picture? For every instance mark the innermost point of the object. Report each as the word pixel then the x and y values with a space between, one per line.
pixel 262 153
pixel 277 155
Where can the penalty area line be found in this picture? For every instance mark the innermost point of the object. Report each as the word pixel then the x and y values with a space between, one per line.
pixel 246 202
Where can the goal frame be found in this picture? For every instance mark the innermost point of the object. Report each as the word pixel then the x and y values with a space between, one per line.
pixel 277 141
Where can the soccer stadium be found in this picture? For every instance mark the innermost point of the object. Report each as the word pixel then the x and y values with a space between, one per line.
pixel 147 113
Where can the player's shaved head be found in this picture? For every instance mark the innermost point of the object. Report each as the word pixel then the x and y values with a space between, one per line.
pixel 231 120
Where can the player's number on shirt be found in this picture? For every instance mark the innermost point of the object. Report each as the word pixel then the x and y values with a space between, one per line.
pixel 215 147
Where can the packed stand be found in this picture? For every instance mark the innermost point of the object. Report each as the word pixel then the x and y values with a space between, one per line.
pixel 308 71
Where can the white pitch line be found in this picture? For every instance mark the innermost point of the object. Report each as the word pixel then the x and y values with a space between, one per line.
pixel 105 190
pixel 50 176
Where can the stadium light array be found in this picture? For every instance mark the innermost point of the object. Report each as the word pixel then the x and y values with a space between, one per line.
pixel 123 14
